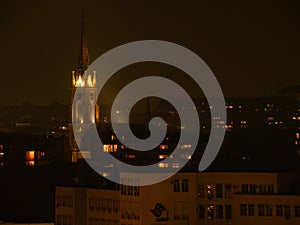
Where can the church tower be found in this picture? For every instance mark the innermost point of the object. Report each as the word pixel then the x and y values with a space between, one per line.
pixel 84 96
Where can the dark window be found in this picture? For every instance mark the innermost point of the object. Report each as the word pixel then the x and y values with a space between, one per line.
pixel 251 210
pixel 91 221
pixel 228 191
pixel 269 211
pixel 261 210
pixel 65 220
pixel 201 190
pixel 243 209
pixel 271 189
pixel 97 205
pixel 252 188
pixel 58 219
pixel 91 204
pixel 228 212
pixel 103 204
pixel 136 190
pixel 279 210
pixel 130 190
pixel 185 185
pixel 297 210
pixel 123 189
pixel 219 213
pixel 70 220
pixel 244 188
pixel 176 186
pixel 219 190
pixel 202 212
pixel 59 201
pixel 287 211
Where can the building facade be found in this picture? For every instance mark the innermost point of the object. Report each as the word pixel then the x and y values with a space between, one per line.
pixel 87 206
pixel 218 198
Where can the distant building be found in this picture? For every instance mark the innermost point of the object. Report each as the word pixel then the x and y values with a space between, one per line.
pixel 85 206
pixel 23 150
pixel 191 199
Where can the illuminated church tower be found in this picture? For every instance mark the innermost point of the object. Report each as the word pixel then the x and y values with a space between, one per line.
pixel 83 92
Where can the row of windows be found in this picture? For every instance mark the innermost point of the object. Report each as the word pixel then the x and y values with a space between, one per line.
pixel 117 147
pixel 97 221
pixel 215 190
pixel 130 216
pixel 214 211
pixel 267 210
pixel 130 210
pixel 261 188
pixel 64 201
pixel 64 220
pixel 180 185
pixel 105 205
pixel 132 187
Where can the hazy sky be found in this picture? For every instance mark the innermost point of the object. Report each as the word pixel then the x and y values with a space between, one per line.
pixel 251 46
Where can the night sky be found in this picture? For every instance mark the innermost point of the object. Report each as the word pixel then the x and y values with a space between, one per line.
pixel 251 46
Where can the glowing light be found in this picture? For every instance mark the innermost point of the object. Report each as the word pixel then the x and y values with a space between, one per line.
pixel 89 81
pixel 162 156
pixel 110 148
pixel 163 165
pixel 30 155
pixel 176 165
pixel 163 147
pixel 79 82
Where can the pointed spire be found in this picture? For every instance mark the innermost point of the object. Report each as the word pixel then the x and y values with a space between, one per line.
pixel 84 59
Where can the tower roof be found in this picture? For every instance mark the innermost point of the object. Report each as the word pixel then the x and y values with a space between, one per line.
pixel 84 59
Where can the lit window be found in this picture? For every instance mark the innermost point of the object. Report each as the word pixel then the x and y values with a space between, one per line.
pixel 210 212
pixel 30 163
pixel 129 156
pixel 110 148
pixel 210 191
pixel 30 155
pixel 163 147
pixel 163 165
pixel 162 156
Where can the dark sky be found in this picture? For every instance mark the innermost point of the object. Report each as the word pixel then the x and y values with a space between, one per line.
pixel 251 46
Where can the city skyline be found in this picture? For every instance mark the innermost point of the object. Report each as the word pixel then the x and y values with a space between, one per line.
pixel 251 48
